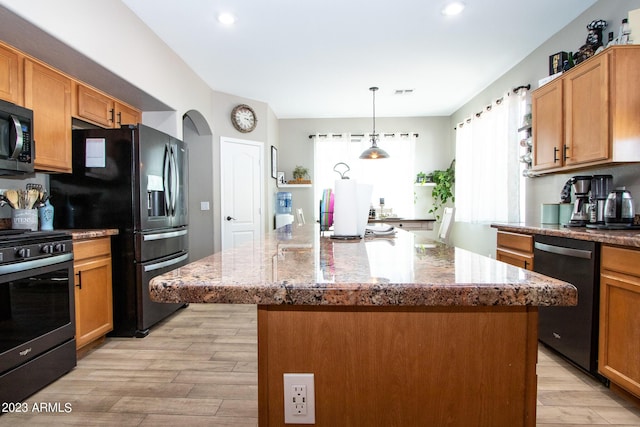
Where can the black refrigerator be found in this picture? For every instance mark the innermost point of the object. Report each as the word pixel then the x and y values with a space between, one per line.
pixel 133 179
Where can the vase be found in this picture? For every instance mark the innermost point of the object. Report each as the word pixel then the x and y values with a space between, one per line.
pixel 46 216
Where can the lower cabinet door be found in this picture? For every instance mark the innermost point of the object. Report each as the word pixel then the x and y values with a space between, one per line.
pixel 619 349
pixel 514 258
pixel 94 304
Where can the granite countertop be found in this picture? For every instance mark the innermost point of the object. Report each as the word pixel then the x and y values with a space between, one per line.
pixel 613 237
pixel 81 234
pixel 303 268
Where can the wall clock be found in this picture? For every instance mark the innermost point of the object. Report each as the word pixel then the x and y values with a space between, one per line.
pixel 244 118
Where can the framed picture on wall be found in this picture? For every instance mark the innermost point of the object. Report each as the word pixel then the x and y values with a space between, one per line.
pixel 274 162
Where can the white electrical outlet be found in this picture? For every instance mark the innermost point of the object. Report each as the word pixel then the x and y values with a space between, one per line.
pixel 299 399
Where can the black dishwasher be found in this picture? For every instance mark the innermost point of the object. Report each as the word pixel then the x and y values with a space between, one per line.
pixel 571 331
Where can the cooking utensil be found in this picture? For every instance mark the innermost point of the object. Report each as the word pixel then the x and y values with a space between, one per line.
pixel 32 197
pixel 12 198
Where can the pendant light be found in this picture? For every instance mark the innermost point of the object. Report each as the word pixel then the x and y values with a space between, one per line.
pixel 374 152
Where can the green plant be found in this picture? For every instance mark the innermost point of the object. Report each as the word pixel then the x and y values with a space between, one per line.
pixel 443 190
pixel 422 177
pixel 300 172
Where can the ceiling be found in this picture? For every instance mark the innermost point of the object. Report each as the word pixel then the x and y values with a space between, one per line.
pixel 318 58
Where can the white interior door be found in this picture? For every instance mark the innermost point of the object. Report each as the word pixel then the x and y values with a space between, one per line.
pixel 241 198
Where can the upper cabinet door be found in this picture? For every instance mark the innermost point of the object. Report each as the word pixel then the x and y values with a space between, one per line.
pixel 95 107
pixel 48 94
pixel 587 112
pixel 548 147
pixel 126 115
pixel 100 109
pixel 10 75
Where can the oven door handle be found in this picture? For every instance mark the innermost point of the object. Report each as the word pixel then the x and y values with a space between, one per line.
pixel 36 263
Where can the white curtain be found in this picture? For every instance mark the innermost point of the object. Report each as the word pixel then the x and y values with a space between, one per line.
pixel 392 178
pixel 488 171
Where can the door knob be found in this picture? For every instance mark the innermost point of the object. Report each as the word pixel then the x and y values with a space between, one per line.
pixel 229 218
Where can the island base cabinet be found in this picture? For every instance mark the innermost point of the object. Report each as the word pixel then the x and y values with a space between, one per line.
pixel 619 348
pixel 402 366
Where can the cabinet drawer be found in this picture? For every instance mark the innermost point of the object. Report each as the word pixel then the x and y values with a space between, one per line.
pixel 520 242
pixel 518 259
pixel 626 261
pixel 90 248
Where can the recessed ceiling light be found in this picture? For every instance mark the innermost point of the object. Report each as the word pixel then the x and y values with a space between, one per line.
pixel 226 19
pixel 453 8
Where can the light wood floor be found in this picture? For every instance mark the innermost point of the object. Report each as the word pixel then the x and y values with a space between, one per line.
pixel 198 368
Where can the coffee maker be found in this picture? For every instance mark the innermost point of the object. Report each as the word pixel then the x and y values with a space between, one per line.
pixel 601 186
pixel 581 186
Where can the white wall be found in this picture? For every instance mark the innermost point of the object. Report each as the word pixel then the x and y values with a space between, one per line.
pixel 479 237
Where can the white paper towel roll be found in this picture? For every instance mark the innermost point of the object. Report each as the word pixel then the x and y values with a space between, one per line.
pixel 345 208
pixel 351 207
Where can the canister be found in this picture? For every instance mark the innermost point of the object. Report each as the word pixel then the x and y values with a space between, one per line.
pixel 565 210
pixel 550 213
pixel 24 219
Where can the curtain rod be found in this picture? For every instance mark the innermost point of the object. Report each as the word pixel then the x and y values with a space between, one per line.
pixel 362 135
pixel 498 101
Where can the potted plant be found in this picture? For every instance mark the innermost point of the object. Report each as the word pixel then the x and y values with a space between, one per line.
pixel 443 190
pixel 301 175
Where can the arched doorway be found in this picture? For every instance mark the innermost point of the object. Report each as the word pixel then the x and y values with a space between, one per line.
pixel 198 136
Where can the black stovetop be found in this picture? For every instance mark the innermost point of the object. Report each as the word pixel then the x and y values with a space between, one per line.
pixel 18 238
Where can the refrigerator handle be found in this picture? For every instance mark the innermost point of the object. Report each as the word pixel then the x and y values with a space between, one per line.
pixel 174 180
pixel 164 264
pixel 167 178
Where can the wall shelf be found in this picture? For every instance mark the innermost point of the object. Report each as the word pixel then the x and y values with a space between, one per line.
pixel 425 184
pixel 295 185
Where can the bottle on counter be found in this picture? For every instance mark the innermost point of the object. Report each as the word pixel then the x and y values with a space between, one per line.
pixel 46 216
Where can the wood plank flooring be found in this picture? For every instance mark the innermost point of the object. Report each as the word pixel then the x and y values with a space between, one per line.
pixel 199 368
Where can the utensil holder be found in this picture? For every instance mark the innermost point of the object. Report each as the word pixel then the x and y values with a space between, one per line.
pixel 24 219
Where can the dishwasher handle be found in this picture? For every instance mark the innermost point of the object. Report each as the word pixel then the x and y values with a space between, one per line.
pixel 561 250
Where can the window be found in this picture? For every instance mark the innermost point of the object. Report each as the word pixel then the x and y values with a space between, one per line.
pixel 392 178
pixel 488 171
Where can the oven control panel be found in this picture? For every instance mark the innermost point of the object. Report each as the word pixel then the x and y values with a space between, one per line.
pixel 23 251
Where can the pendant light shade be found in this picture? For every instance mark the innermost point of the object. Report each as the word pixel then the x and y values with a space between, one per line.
pixel 374 152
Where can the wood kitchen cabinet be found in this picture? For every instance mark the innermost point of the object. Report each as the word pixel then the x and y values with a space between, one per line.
pixel 547 123
pixel 588 116
pixel 93 290
pixel 619 346
pixel 515 249
pixel 11 77
pixel 99 108
pixel 48 93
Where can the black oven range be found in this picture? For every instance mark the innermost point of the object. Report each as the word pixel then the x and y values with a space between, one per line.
pixel 37 318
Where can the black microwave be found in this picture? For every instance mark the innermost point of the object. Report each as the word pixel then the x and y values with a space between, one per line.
pixel 16 139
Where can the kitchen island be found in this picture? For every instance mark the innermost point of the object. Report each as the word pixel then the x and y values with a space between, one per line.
pixel 398 331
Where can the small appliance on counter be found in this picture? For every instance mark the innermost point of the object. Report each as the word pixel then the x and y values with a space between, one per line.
pixel 581 186
pixel 601 186
pixel 618 209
